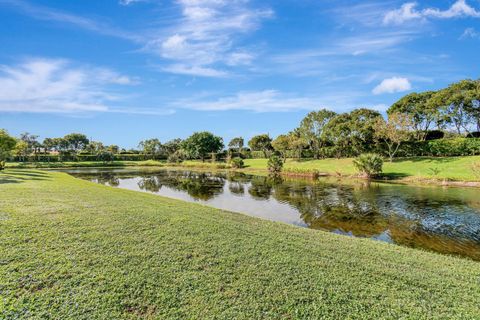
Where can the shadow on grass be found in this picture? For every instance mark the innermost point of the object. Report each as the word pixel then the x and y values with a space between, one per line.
pixel 426 159
pixel 18 176
pixel 395 175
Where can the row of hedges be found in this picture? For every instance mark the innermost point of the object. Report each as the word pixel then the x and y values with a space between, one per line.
pixel 80 158
pixel 441 148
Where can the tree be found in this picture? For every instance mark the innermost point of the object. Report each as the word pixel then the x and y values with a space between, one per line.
pixel 21 150
pixel 94 147
pixel 172 146
pixel 7 144
pixel 421 109
pixel 237 144
pixel 200 144
pixel 282 144
pixel 394 131
pixel 31 142
pixel 114 149
pixel 76 141
pixel 459 104
pixel 312 129
pixel 151 148
pixel 297 142
pixel 362 133
pixel 261 142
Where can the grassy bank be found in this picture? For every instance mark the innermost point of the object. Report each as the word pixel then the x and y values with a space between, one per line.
pixel 452 168
pixel 74 249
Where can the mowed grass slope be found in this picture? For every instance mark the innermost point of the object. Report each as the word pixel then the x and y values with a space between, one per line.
pixel 71 249
pixel 453 168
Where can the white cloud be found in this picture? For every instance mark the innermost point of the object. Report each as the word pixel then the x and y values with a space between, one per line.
pixel 204 36
pixel 259 101
pixel 408 12
pixel 55 86
pixel 48 14
pixel 129 2
pixel 392 85
pixel 470 33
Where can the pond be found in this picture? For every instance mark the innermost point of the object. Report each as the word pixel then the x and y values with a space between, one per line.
pixel 445 220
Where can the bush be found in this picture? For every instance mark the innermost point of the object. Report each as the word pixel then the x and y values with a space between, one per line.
pixel 369 165
pixel 105 156
pixel 176 157
pixel 237 163
pixel 275 165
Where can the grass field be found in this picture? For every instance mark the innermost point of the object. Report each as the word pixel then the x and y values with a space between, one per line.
pixel 71 249
pixel 453 168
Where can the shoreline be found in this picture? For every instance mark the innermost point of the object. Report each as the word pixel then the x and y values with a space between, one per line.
pixel 207 166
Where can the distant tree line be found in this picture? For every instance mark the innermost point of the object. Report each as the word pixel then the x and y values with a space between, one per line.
pixel 432 123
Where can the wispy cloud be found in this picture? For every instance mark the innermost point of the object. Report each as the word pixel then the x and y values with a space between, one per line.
pixel 130 2
pixel 408 12
pixel 470 33
pixel 258 101
pixel 392 85
pixel 57 86
pixel 203 38
pixel 48 14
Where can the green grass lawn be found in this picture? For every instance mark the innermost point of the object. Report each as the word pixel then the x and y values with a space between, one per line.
pixel 453 168
pixel 74 249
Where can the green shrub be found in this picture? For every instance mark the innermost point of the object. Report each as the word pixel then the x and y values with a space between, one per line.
pixel 237 163
pixel 369 164
pixel 176 157
pixel 105 156
pixel 275 165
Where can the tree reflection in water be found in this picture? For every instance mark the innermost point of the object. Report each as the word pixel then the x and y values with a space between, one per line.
pixel 437 219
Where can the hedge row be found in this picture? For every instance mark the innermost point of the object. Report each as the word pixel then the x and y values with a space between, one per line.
pixel 441 148
pixel 80 157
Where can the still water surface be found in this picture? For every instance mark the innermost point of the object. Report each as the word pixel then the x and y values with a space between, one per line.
pixel 445 220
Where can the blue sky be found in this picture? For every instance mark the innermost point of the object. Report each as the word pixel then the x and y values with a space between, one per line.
pixel 123 71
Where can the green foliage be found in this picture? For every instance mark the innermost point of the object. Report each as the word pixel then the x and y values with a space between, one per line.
pixel 75 141
pixel 176 157
pixel 312 129
pixel 7 144
pixel 237 163
pixel 369 164
pixel 105 156
pixel 236 144
pixel 200 144
pixel 261 142
pixel 151 148
pixel 282 144
pixel 275 165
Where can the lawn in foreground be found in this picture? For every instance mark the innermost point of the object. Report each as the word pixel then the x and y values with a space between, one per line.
pixel 74 249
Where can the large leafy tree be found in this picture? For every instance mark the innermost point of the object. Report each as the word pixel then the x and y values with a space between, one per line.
pixel 459 105
pixel 7 144
pixel 282 144
pixel 76 141
pixel 172 146
pixel 362 122
pixel 200 144
pixel 151 148
pixel 237 144
pixel 312 129
pixel 421 109
pixel 261 142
